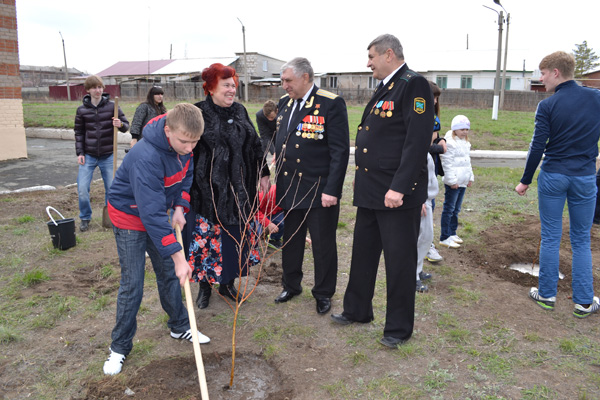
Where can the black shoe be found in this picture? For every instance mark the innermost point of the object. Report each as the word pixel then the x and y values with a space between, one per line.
pixel 323 305
pixel 341 319
pixel 85 225
pixel 284 296
pixel 275 244
pixel 228 290
pixel 421 287
pixel 391 342
pixel 424 275
pixel 203 295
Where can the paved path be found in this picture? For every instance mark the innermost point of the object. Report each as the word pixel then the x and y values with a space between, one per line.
pixel 52 161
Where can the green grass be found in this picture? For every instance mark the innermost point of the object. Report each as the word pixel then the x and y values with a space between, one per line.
pixel 512 131
pixel 25 219
pixel 31 278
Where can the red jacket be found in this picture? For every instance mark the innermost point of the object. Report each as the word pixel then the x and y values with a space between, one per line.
pixel 268 207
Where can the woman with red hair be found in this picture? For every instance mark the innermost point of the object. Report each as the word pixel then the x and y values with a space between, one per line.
pixel 228 161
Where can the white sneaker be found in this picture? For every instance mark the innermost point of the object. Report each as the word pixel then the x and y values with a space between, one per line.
pixel 433 255
pixel 187 335
pixel 582 312
pixel 114 363
pixel 456 239
pixel 448 242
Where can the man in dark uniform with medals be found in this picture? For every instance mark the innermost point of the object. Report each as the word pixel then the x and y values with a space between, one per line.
pixel 312 149
pixel 389 189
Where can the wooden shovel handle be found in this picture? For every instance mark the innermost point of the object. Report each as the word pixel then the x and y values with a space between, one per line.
pixel 115 137
pixel 194 328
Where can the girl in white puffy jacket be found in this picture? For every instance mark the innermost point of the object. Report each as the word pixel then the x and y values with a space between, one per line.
pixel 458 175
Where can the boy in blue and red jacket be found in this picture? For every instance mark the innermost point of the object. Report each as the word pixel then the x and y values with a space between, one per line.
pixel 154 177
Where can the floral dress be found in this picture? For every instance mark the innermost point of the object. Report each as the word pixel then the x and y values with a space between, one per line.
pixel 209 243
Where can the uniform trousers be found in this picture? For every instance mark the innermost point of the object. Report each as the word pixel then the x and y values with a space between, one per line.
pixel 395 232
pixel 321 222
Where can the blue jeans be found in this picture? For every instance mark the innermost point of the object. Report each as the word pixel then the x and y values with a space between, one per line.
pixel 84 179
pixel 453 199
pixel 580 194
pixel 132 246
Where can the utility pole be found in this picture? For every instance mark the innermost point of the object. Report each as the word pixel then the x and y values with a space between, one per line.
pixel 505 56
pixel 66 69
pixel 497 82
pixel 246 80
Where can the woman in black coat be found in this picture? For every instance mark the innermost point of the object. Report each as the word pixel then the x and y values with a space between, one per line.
pixel 151 108
pixel 228 162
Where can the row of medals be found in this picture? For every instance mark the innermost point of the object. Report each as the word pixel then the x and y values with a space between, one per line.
pixel 309 135
pixel 382 113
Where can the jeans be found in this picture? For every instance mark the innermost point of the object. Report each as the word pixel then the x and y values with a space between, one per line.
pixel 580 194
pixel 453 199
pixel 84 179
pixel 132 246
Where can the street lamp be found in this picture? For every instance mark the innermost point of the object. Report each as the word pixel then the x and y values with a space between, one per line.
pixel 498 61
pixel 66 70
pixel 245 64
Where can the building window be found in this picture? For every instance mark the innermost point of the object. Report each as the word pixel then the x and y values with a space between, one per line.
pixel 323 82
pixel 507 83
pixel 373 83
pixel 442 81
pixel 333 82
pixel 466 81
pixel 265 65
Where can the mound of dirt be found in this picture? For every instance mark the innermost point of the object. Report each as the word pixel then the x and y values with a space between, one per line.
pixel 177 378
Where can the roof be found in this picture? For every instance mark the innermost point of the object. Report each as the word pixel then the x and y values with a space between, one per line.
pixel 134 68
pixel 163 67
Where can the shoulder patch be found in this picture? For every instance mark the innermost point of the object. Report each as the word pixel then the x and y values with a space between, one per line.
pixel 327 94
pixel 408 74
pixel 419 105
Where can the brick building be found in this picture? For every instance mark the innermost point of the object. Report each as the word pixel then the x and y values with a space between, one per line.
pixel 12 129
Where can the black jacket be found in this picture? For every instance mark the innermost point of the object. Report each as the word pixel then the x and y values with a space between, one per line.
pixel 312 153
pixel 227 162
pixel 94 128
pixel 143 114
pixel 266 130
pixel 391 151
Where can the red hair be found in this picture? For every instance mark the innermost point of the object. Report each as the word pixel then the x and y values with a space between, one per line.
pixel 214 73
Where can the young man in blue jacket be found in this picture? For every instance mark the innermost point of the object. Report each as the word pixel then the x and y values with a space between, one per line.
pixel 153 178
pixel 566 132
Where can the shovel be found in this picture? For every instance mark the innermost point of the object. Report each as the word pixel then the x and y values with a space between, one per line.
pixel 106 222
pixel 194 328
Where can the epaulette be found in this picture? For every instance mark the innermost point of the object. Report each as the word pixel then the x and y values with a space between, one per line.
pixel 285 95
pixel 408 74
pixel 327 94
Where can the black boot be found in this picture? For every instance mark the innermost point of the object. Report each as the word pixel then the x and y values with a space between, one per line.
pixel 228 290
pixel 203 295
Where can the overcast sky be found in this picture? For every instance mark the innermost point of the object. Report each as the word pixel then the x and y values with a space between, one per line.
pixel 332 34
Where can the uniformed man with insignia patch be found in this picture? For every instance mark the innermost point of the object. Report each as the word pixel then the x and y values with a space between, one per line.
pixel 312 149
pixel 389 189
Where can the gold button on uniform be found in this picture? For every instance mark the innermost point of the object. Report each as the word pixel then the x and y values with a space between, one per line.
pixel 283 147
pixel 366 170
pixel 285 173
pixel 298 161
pixel 360 128
pixel 300 174
pixel 364 150
pixel 357 167
pixel 297 146
pixel 367 128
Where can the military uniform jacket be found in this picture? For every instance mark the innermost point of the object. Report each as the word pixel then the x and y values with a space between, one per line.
pixel 392 142
pixel 312 154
